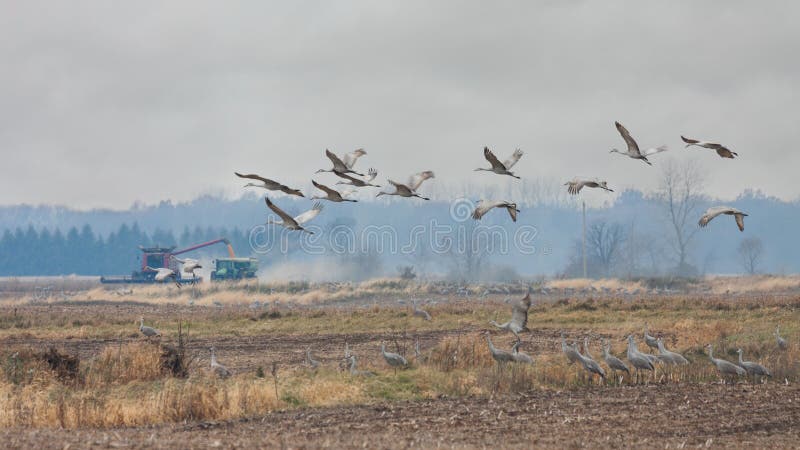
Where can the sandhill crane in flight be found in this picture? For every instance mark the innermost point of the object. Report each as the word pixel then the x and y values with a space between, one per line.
pixel 752 368
pixel 268 184
pixel 339 165
pixel 293 223
pixel 501 168
pixel 779 340
pixel 633 148
pixel 350 159
pixel 162 273
pixel 485 206
pixel 189 265
pixel 330 194
pixel 519 316
pixel 722 151
pixel 219 370
pixel 575 186
pixel 725 368
pixel 353 181
pixel 410 188
pixel 717 210
pixel 147 331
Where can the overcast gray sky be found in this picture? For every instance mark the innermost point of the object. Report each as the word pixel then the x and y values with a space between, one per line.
pixel 104 103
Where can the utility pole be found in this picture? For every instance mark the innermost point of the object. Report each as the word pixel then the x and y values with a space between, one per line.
pixel 584 240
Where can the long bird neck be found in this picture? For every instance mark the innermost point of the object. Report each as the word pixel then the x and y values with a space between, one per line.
pixel 740 359
pixel 352 364
pixel 491 346
pixel 213 358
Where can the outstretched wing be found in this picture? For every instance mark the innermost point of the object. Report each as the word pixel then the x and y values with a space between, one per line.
pixel 492 159
pixel 653 151
pixel 371 174
pixel 689 141
pixel 253 176
pixel 739 220
pixel 310 214
pixel 354 180
pixel 509 163
pixel 575 186
pixel 351 158
pixel 324 188
pixel 519 311
pixel 285 217
pixel 415 181
pixel 338 165
pixel 512 211
pixel 713 212
pixel 632 145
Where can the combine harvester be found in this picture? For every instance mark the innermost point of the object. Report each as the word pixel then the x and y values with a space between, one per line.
pixel 230 268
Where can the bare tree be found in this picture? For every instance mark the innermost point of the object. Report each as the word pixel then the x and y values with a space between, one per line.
pixel 604 241
pixel 680 193
pixel 750 251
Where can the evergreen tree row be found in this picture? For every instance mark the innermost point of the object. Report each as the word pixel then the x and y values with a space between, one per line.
pixel 28 252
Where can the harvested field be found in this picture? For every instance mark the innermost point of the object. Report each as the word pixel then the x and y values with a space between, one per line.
pixel 453 395
pixel 698 415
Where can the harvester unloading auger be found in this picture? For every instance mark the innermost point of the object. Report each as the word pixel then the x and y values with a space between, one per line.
pixel 230 268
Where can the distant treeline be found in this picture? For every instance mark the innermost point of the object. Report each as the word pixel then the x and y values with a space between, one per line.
pixel 28 252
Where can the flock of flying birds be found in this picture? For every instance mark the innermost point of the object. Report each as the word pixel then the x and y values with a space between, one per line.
pixel 344 168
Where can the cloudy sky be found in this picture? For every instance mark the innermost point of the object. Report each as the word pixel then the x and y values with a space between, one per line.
pixel 105 103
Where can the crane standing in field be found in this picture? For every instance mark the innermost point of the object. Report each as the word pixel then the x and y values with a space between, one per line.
pixel 519 316
pixel 219 370
pixel 589 364
pixel 313 363
pixel 779 340
pixel 419 312
pixel 638 360
pixel 393 359
pixel 613 362
pixel 651 341
pixel 501 356
pixel 518 356
pixel 501 168
pixel 148 332
pixel 725 368
pixel 752 368
pixel 354 371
